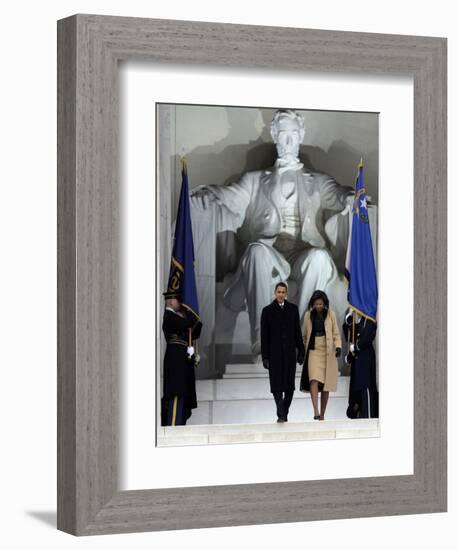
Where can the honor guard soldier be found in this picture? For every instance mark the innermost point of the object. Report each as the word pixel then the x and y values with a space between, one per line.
pixel 363 395
pixel 180 328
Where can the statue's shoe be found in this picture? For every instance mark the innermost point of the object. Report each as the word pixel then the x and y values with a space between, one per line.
pixel 256 350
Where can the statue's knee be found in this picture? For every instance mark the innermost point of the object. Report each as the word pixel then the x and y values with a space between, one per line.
pixel 317 261
pixel 256 252
pixel 319 255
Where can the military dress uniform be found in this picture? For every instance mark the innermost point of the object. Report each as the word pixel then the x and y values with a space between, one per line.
pixel 179 395
pixel 363 394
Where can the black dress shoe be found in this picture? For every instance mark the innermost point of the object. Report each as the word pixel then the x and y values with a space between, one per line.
pixel 281 420
pixel 316 417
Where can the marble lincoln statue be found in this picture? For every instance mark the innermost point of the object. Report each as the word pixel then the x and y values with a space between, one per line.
pixel 280 217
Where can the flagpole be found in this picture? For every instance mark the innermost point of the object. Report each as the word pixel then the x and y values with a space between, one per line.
pixel 354 325
pixel 353 337
pixel 184 169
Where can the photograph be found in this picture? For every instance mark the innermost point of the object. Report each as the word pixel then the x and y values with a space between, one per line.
pixel 269 327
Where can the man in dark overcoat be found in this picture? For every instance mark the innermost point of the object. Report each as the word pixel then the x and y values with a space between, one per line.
pixel 282 346
pixel 363 394
pixel 179 395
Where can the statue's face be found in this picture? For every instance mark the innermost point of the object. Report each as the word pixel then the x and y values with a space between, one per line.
pixel 280 294
pixel 288 139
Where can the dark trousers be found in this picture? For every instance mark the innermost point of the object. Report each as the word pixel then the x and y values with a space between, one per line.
pixel 369 404
pixel 174 413
pixel 283 402
pixel 363 404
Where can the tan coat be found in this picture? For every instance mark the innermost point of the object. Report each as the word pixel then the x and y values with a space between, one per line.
pixel 333 341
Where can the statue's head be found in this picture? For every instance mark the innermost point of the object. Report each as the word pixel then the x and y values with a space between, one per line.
pixel 287 130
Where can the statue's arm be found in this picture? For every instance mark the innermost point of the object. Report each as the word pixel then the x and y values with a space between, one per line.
pixel 231 201
pixel 333 195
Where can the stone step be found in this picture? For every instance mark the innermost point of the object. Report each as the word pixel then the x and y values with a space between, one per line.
pixel 232 369
pixel 253 411
pixel 253 388
pixel 339 423
pixel 267 432
pixel 245 368
pixel 247 375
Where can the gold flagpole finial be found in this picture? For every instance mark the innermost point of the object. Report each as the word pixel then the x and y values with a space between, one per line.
pixel 184 165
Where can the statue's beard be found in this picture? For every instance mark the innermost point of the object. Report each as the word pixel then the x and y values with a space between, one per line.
pixel 288 157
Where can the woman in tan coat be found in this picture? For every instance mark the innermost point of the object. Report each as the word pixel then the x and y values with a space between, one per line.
pixel 323 345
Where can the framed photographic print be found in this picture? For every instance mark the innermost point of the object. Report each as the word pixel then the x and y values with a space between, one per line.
pixel 222 142
pixel 129 92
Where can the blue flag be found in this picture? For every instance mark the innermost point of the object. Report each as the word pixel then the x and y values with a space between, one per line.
pixel 360 266
pixel 182 279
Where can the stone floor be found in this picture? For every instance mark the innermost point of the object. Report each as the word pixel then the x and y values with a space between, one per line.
pixel 215 434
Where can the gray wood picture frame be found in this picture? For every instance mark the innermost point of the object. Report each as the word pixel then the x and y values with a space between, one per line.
pixel 89 49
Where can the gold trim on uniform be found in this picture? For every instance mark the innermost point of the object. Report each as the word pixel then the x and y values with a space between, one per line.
pixel 174 413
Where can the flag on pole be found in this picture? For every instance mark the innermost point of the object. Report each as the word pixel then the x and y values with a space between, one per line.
pixel 182 279
pixel 360 266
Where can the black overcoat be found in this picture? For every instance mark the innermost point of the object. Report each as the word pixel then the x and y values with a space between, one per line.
pixel 363 366
pixel 281 344
pixel 179 376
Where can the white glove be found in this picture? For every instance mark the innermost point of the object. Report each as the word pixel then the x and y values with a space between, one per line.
pixel 352 348
pixel 190 351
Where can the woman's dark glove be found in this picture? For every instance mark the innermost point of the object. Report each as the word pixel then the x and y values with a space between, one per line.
pixel 338 352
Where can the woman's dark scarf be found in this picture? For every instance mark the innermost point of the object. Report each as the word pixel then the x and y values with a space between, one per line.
pixel 318 294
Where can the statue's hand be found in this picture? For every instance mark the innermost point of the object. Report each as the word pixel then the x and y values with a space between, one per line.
pixel 201 198
pixel 348 205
